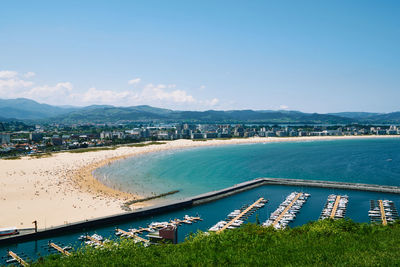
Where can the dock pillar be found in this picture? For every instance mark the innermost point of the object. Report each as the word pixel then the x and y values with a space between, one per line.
pixel 35 223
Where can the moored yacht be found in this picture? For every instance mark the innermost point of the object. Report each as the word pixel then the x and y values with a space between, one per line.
pixel 8 231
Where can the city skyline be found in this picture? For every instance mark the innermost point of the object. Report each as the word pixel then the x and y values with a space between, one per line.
pixel 308 56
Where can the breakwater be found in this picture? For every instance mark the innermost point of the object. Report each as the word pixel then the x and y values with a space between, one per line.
pixel 189 202
pixel 334 185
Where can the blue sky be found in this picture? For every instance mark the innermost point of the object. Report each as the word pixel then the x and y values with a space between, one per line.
pixel 312 56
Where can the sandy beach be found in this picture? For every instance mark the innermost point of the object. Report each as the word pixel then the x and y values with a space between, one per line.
pixel 60 189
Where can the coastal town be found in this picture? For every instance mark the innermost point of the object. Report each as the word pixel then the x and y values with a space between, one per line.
pixel 20 139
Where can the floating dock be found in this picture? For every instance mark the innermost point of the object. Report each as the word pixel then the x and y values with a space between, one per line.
pixel 383 214
pixel 238 217
pixel 94 240
pixel 335 207
pixel 333 213
pixel 17 258
pixel 159 225
pixel 287 210
pixel 155 228
pixel 383 211
pixel 59 249
pixel 134 236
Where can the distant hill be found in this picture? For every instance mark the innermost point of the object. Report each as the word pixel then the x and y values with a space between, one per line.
pixel 147 113
pixel 103 114
pixel 367 117
pixel 26 109
pixel 355 115
pixel 30 111
pixel 393 117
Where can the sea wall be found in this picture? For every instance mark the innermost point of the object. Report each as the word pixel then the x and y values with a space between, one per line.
pixel 335 185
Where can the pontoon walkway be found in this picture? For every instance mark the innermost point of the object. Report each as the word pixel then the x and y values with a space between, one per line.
pixel 241 214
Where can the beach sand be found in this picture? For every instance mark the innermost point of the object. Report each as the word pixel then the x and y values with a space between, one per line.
pixel 60 189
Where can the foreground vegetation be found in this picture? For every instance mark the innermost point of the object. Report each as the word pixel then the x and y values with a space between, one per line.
pixel 322 243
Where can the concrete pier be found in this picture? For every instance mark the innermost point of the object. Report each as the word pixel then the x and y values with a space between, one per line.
pixel 335 185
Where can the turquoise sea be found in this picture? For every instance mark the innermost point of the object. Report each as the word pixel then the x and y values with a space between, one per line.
pixel 200 170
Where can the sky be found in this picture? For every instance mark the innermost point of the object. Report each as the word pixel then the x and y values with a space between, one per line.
pixel 311 56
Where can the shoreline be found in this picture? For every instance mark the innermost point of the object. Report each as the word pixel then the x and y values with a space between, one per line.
pixel 61 189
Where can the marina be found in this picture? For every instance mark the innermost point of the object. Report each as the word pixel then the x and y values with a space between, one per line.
pixel 335 207
pixel 383 211
pixel 287 210
pixel 201 199
pixel 210 212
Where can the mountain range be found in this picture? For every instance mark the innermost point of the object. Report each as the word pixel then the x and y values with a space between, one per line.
pixel 30 111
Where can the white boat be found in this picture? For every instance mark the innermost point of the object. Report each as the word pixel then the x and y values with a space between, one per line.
pixel 97 237
pixel 8 231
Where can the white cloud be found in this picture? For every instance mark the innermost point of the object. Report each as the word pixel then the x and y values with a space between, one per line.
pixel 283 107
pixel 58 94
pixel 14 85
pixel 134 81
pixel 11 85
pixel 213 102
pixel 7 74
pixel 95 96
pixel 157 95
pixel 59 89
pixel 29 74
pixel 158 92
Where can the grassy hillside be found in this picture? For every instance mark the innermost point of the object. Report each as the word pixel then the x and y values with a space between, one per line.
pixel 322 243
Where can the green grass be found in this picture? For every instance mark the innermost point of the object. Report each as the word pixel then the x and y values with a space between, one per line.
pixel 322 243
pixel 222 138
pixel 146 144
pixel 41 155
pixel 12 158
pixel 91 149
